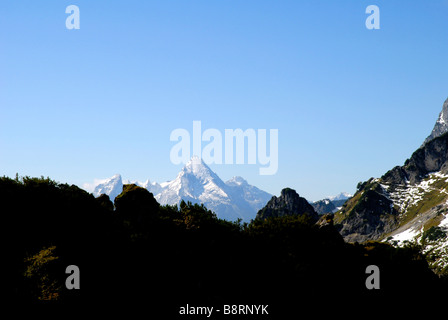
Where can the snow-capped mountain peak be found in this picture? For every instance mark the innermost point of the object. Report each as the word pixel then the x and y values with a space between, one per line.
pixel 197 167
pixel 236 181
pixel 112 187
pixel 196 182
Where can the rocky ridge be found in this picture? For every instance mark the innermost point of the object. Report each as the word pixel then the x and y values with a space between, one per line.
pixel 289 203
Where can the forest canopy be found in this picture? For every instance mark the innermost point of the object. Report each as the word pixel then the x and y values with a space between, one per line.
pixel 134 249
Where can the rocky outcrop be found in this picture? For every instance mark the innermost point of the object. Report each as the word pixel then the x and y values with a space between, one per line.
pixel 441 126
pixel 430 158
pixel 367 216
pixel 288 204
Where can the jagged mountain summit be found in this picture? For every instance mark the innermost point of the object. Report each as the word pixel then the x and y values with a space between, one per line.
pixel 196 182
pixel 288 204
pixel 408 203
pixel 441 125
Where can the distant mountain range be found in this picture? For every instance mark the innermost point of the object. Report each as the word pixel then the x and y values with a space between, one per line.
pixel 331 204
pixel 196 182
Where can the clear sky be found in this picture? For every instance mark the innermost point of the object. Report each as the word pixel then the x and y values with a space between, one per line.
pixel 349 103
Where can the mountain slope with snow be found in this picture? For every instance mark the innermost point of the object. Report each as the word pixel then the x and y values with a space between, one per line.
pixel 196 182
pixel 407 204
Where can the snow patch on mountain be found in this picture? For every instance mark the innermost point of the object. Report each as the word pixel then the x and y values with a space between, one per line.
pixel 436 249
pixel 407 196
pixel 408 235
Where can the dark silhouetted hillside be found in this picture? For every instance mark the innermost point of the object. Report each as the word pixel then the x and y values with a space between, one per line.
pixel 137 253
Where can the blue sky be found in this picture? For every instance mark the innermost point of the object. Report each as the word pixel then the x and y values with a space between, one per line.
pixel 349 103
